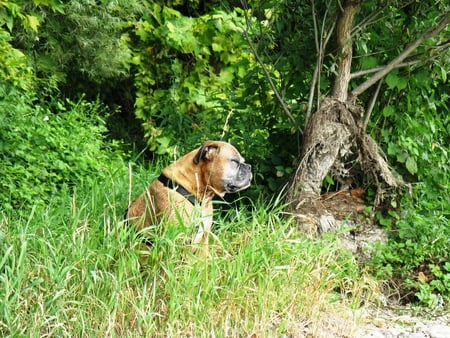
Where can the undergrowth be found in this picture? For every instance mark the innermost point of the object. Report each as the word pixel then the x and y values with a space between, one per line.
pixel 72 268
pixel 415 258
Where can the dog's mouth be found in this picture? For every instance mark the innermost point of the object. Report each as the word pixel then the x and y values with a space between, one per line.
pixel 232 187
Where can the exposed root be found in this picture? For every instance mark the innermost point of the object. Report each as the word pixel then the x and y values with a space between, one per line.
pixel 334 132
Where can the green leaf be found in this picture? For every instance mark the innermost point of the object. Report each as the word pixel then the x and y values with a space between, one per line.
pixel 391 80
pixel 394 81
pixel 402 83
pixel 226 75
pixel 217 47
pixel 411 165
pixel 385 221
pixel 369 62
pixel 402 157
pixel 31 22
pixel 388 111
pixel 392 149
pixel 444 74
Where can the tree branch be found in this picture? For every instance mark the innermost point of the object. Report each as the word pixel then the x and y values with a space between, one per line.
pixel 320 47
pixel 264 68
pixel 403 55
pixel 316 69
pixel 370 107
pixel 377 69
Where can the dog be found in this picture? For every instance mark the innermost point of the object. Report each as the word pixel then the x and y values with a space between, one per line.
pixel 185 189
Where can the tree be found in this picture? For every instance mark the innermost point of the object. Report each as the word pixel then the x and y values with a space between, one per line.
pixel 380 74
pixel 339 125
pixel 77 47
pixel 197 79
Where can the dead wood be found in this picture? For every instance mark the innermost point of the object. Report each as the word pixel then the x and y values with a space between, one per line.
pixel 334 132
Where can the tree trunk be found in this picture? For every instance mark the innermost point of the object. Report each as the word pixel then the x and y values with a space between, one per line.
pixel 332 133
pixel 326 132
pixel 337 130
pixel 344 43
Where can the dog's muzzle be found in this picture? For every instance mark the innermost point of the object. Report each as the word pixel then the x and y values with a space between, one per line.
pixel 242 179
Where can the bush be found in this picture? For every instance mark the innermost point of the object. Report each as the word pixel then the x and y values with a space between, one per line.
pixel 416 136
pixel 75 42
pixel 49 147
pixel 197 79
pixel 416 255
pixel 14 68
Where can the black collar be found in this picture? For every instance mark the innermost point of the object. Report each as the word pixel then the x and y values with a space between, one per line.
pixel 178 188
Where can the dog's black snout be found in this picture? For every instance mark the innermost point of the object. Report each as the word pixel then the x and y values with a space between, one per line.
pixel 245 171
pixel 247 167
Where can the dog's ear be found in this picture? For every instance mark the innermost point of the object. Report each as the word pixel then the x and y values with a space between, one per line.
pixel 206 151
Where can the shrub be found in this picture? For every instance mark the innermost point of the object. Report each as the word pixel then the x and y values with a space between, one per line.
pixel 197 79
pixel 417 253
pixel 416 135
pixel 49 147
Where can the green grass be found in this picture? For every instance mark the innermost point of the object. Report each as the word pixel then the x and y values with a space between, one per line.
pixel 73 269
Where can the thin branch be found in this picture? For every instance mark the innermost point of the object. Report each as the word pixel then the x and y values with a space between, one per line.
pixel 370 107
pixel 316 69
pixel 323 45
pixel 369 20
pixel 403 55
pixel 443 45
pixel 374 17
pixel 225 126
pixel 320 47
pixel 377 69
pixel 311 90
pixel 264 68
pixel 316 29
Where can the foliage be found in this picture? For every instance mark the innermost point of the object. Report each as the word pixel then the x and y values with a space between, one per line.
pixel 72 269
pixel 48 148
pixel 79 46
pixel 414 113
pixel 14 67
pixel 197 79
pixel 410 119
pixel 417 253
pixel 47 145
pixel 169 90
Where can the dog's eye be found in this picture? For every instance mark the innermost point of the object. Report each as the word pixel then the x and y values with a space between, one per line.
pixel 235 163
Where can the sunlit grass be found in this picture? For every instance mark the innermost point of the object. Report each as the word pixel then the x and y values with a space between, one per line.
pixel 74 269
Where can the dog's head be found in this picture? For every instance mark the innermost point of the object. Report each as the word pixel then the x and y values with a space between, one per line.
pixel 222 167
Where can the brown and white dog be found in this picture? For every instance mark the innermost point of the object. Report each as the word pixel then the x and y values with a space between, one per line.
pixel 186 188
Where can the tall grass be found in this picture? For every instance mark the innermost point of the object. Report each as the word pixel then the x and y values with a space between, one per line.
pixel 74 269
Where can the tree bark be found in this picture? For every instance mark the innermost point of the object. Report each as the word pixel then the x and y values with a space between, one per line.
pixel 337 128
pixel 325 134
pixel 328 136
pixel 344 42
